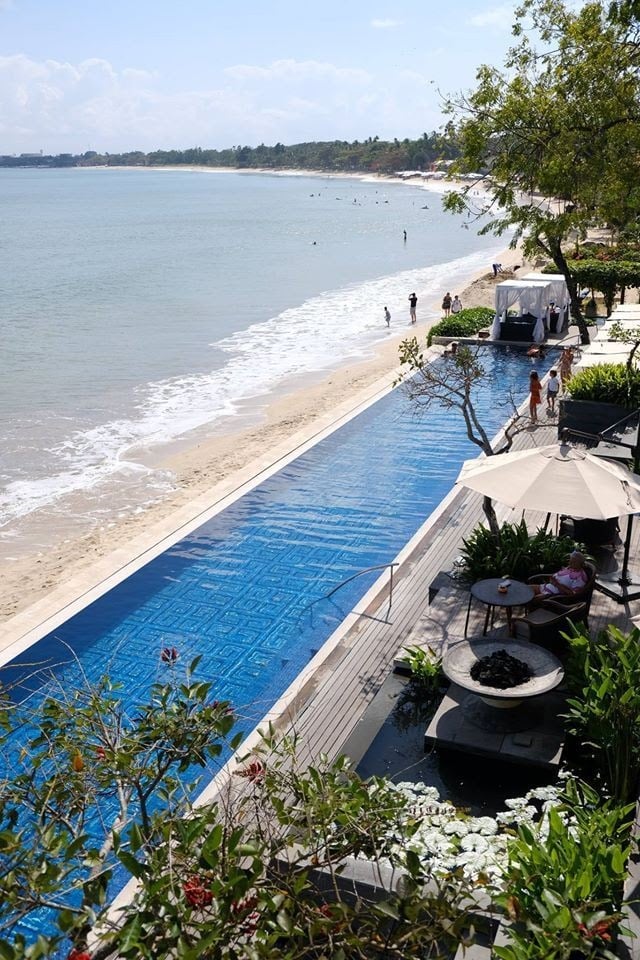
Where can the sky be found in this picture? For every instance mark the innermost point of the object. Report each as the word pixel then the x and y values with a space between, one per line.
pixel 117 75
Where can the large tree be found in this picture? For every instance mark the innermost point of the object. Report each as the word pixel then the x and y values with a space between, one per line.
pixel 557 129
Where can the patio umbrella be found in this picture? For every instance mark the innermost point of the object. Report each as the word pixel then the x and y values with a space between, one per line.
pixel 556 479
pixel 560 479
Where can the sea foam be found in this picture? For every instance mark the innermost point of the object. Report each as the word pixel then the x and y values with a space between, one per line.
pixel 302 342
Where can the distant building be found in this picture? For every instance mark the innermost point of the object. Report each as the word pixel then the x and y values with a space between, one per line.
pixel 26 156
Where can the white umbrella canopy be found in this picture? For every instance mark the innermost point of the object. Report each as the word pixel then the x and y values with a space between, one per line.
pixel 556 479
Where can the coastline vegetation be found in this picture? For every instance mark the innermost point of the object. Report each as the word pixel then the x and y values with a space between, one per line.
pixel 372 155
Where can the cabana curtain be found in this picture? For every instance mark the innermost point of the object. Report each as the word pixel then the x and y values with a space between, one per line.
pixel 533 298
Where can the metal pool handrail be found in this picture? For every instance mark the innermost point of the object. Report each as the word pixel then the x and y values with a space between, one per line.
pixel 359 573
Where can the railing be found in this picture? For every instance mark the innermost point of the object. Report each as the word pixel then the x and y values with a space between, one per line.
pixel 354 576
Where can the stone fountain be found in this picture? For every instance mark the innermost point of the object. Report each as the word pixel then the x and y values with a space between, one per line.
pixel 518 722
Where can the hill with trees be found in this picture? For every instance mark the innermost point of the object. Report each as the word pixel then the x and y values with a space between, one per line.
pixel 372 155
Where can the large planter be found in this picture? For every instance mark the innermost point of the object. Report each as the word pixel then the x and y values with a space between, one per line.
pixel 588 416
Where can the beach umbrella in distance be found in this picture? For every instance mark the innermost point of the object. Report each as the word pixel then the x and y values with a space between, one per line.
pixel 555 479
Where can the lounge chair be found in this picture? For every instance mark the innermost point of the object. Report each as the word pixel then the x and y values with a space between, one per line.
pixel 544 624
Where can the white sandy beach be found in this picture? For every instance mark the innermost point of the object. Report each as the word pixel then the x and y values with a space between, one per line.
pixel 212 467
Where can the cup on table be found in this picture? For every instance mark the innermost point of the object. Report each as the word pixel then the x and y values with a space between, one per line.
pixel 504 585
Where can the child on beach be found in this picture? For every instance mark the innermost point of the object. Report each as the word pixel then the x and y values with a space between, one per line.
pixel 387 316
pixel 535 397
pixel 553 386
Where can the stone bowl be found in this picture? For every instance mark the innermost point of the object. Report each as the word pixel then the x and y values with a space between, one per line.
pixel 547 671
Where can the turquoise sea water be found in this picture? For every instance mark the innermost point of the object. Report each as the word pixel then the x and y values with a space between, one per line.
pixel 140 305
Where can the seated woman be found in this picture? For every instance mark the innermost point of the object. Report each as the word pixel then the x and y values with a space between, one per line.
pixel 571 579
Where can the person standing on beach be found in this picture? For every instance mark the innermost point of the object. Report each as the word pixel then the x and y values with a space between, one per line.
pixel 413 300
pixel 446 304
pixel 535 395
pixel 456 305
pixel 404 234
pixel 387 316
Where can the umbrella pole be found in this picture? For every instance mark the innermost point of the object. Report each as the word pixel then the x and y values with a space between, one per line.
pixel 625 579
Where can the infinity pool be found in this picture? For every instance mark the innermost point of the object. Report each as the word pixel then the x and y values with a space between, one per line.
pixel 245 590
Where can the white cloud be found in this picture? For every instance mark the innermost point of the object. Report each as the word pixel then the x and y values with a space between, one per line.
pixel 385 24
pixel 501 16
pixel 68 108
pixel 297 70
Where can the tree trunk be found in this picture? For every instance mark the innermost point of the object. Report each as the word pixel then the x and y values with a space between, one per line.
pixel 490 514
pixel 576 309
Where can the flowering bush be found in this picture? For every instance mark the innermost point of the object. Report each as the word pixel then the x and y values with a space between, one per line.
pixel 446 839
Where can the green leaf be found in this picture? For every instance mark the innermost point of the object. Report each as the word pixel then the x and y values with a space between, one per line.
pixel 135 868
pixel 387 909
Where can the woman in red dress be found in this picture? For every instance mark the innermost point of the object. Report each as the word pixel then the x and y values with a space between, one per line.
pixel 535 395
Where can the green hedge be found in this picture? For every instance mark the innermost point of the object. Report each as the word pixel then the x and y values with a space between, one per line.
pixel 463 324
pixel 607 383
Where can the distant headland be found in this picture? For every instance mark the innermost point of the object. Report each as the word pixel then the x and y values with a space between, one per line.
pixel 368 156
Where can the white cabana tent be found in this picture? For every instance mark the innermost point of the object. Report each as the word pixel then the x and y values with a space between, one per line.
pixel 531 296
pixel 559 294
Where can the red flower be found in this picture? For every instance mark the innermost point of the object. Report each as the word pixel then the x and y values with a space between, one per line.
pixel 76 954
pixel 247 903
pixel 100 754
pixel 196 893
pixel 254 772
pixel 599 929
pixel 169 655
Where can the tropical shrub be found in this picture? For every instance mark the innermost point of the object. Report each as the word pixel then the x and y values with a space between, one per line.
pixel 607 383
pixel 564 894
pixel 517 553
pixel 97 791
pixel 607 271
pixel 464 324
pixel 604 709
pixel 425 667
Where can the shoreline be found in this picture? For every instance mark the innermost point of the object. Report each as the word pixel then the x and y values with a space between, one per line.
pixel 211 465
pixel 433 184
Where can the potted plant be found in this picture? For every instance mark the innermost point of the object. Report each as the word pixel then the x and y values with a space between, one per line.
pixel 599 397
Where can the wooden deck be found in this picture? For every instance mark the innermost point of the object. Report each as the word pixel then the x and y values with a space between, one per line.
pixel 328 710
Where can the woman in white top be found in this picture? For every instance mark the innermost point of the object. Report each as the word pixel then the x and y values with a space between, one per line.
pixel 456 305
pixel 571 579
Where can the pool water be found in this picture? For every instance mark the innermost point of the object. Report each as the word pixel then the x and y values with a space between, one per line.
pixel 245 590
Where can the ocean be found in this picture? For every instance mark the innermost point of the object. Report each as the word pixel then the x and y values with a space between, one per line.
pixel 141 305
